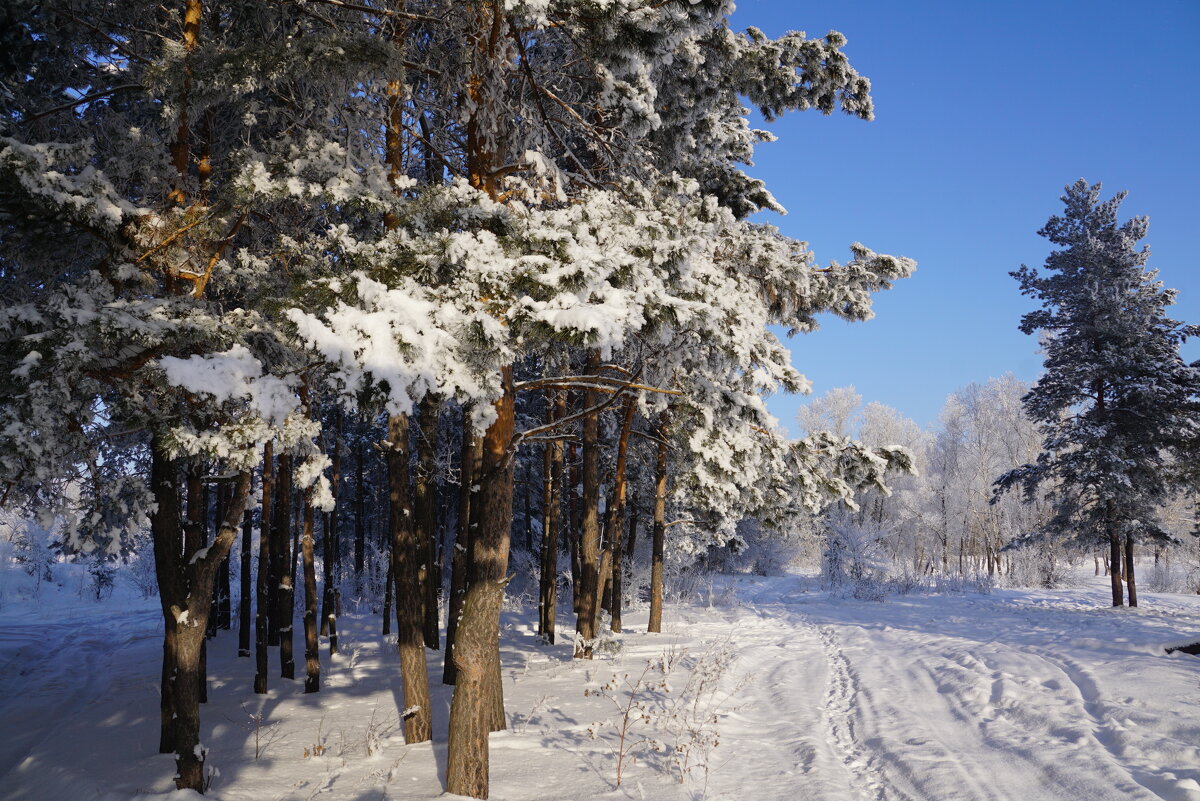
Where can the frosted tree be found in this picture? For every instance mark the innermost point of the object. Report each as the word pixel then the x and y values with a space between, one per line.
pixel 141 342
pixel 837 411
pixel 1115 401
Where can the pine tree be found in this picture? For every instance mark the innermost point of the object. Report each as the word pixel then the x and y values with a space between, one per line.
pixel 1114 403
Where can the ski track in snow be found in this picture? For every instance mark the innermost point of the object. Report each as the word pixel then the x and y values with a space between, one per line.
pixel 1014 696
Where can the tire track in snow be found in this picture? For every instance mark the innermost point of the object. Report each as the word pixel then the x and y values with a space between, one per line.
pixel 842 716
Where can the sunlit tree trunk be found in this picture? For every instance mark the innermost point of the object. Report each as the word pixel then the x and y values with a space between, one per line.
pixel 477 639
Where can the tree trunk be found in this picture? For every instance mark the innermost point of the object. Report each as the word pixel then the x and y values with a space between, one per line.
pixel 589 541
pixel 1114 559
pixel 460 560
pixel 616 512
pixel 573 523
pixel 1130 581
pixel 261 615
pixel 332 549
pixel 244 590
pixel 552 468
pixel 660 529
pixel 312 659
pixel 477 641
pixel 425 511
pixel 634 517
pixel 407 557
pixel 186 578
pixel 360 529
pixel 285 596
pixel 389 585
pixel 194 538
pixel 224 593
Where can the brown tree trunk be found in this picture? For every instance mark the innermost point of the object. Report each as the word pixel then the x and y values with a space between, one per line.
pixel 574 517
pixel 616 512
pixel 460 560
pixel 1130 581
pixel 360 528
pixel 333 551
pixel 389 586
pixel 425 511
pixel 195 537
pixel 244 590
pixel 285 596
pixel 589 540
pixel 261 615
pixel 634 517
pixel 552 468
pixel 660 529
pixel 186 577
pixel 1114 560
pixel 478 636
pixel 312 659
pixel 407 557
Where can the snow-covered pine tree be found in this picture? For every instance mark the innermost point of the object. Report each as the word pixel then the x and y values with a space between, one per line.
pixel 138 266
pixel 1115 401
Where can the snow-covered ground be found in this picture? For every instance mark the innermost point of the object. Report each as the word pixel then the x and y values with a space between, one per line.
pixel 1019 695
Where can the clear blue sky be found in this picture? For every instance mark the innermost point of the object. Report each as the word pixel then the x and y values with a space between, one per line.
pixel 984 112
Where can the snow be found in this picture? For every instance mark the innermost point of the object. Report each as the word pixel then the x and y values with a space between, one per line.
pixel 1018 694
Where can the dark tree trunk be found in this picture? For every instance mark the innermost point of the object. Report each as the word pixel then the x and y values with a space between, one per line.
pixel 477 641
pixel 634 517
pixel 312 658
pixel 195 537
pixel 552 468
pixel 285 597
pixel 389 585
pixel 1114 560
pixel 1130 581
pixel 263 610
pixel 660 529
pixel 573 524
pixel 407 557
pixel 186 577
pixel 616 513
pixel 460 560
pixel 425 511
pixel 166 705
pixel 360 530
pixel 244 591
pixel 224 593
pixel 589 542
pixel 332 549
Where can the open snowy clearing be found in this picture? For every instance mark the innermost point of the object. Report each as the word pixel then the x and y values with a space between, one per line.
pixel 1013 695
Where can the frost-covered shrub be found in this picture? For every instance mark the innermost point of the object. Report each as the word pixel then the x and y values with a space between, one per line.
pixel 958 583
pixel 102 577
pixel 855 559
pixel 1175 570
pixel 1044 564
pixel 26 545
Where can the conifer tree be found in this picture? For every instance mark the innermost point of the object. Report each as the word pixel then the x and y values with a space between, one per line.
pixel 1114 403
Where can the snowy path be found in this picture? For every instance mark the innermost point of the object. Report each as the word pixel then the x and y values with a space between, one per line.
pixel 1013 696
pixel 959 698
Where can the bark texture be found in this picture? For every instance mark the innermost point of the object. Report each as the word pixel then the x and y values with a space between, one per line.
pixel 477 641
pixel 407 556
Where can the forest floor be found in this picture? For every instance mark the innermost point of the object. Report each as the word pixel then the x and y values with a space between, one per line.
pixel 769 689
